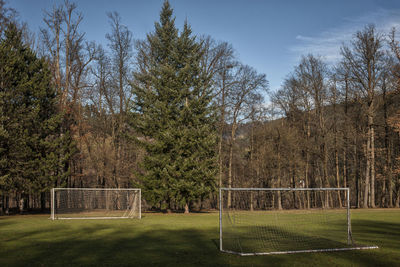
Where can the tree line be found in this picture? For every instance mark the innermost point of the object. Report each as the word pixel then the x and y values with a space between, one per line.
pixel 178 115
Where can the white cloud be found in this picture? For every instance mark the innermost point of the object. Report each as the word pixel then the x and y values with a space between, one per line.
pixel 327 44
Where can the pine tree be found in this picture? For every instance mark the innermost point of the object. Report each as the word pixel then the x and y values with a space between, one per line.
pixel 29 123
pixel 175 116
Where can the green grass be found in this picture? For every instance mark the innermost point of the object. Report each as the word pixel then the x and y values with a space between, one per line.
pixel 174 240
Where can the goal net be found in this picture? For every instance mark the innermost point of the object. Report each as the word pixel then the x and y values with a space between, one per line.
pixel 262 221
pixel 95 203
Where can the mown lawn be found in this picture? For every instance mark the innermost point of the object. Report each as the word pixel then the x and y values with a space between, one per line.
pixel 174 240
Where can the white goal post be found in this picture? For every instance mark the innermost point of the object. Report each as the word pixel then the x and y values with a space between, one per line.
pixel 267 221
pixel 95 203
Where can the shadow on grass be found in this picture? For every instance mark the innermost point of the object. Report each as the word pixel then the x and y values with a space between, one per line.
pixel 91 247
pixel 4 222
pixel 259 239
pixel 133 244
pixel 377 233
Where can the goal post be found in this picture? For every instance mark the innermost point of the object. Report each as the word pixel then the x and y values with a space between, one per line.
pixel 265 221
pixel 95 203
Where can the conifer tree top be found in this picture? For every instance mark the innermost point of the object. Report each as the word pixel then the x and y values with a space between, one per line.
pixel 166 14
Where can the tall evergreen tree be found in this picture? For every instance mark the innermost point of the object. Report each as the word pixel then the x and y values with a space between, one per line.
pixel 174 114
pixel 29 123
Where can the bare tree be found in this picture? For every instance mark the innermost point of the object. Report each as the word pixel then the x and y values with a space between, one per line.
pixel 293 102
pixel 312 74
pixel 246 94
pixel 217 63
pixel 395 49
pixel 364 62
pixel 62 40
pixel 393 120
pixel 348 130
pixel 333 102
pixel 70 57
pixel 120 43
pixel 52 40
pixel 303 98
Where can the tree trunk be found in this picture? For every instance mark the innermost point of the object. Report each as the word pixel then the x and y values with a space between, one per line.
pixel 186 208
pixel 2 200
pixel 251 201
pixel 220 160
pixel 386 169
pixel 345 140
pixel 321 196
pixel 372 164
pixel 201 203
pixel 367 169
pixel 345 178
pixel 307 183
pixel 67 63
pixel 221 132
pixel 233 134
pixel 293 180
pixel 326 178
pixel 7 204
pixel 21 204
pixel 357 174
pixel 230 175
pixel 338 177
pixel 58 71
pixel 279 179
pixel 42 201
pixel 337 166
pixel 390 177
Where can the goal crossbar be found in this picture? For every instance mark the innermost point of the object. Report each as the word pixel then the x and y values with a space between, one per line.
pixel 352 246
pixel 97 189
pixel 285 189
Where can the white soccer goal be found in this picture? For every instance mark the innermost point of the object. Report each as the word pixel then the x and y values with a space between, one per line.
pixel 263 221
pixel 95 203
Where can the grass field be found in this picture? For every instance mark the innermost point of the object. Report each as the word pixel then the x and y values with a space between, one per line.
pixel 174 240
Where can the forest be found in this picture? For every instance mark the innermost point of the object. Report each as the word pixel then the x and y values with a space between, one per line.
pixel 178 115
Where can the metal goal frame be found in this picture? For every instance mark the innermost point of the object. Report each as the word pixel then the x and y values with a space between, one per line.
pixel 52 204
pixel 349 234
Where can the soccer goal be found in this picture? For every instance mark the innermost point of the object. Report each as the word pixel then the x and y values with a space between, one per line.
pixel 95 203
pixel 263 221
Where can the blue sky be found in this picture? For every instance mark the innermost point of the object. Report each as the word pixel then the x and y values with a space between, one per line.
pixel 268 35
